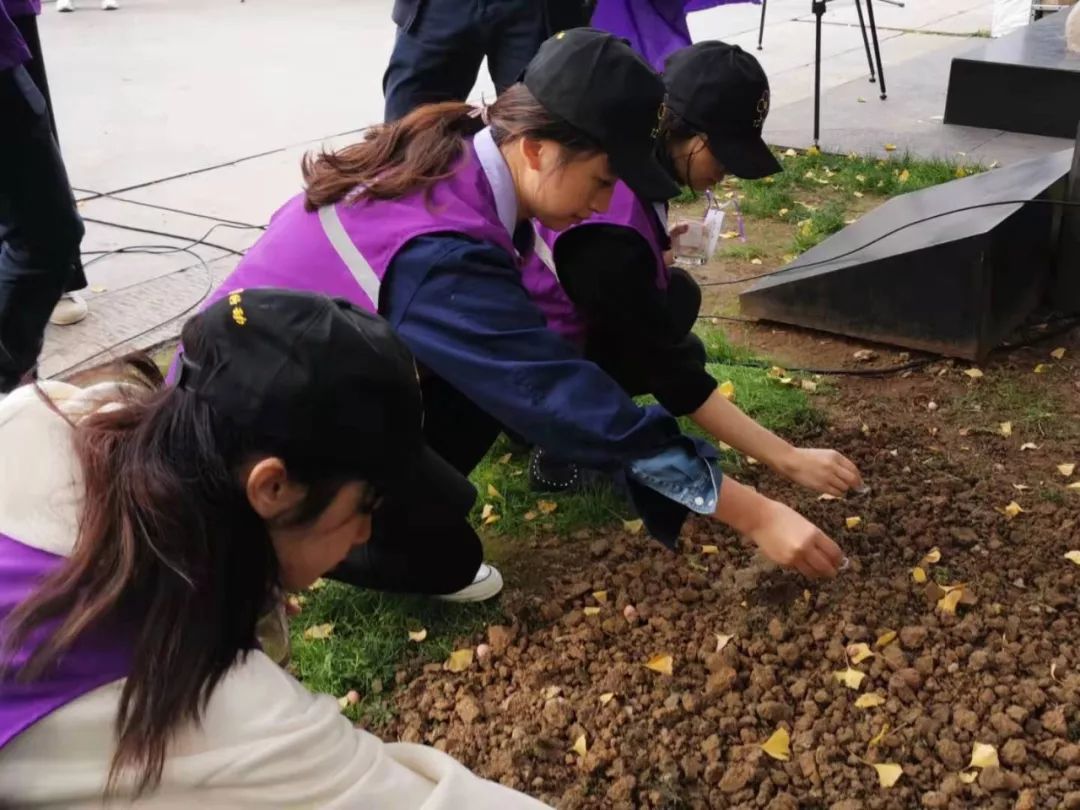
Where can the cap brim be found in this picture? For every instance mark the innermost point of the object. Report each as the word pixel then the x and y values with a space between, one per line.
pixel 749 158
pixel 644 175
pixel 432 484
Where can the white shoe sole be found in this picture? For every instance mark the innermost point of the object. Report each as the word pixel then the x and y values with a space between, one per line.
pixel 68 312
pixel 480 591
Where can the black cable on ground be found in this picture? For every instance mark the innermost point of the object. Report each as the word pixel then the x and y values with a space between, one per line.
pixel 106 195
pixel 167 235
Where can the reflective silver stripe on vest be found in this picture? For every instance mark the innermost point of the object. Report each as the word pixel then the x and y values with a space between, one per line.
pixel 347 252
pixel 543 252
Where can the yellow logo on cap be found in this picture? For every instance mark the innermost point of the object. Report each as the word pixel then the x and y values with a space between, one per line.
pixel 560 35
pixel 237 311
pixel 659 121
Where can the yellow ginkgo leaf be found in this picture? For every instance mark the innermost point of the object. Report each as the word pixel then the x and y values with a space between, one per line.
pixel 825 496
pixel 809 386
pixel 1029 446
pixel 778 746
pixel 319 631
pixel 1012 510
pixel 932 556
pixel 660 663
pixel 600 596
pixel 948 603
pixel 869 701
pixel 858 653
pixel 1005 429
pixel 890 147
pixel 710 550
pixel 904 176
pixel 491 519
pixel 459 660
pixel 317 584
pixel 918 574
pixel 755 261
pixel 1073 556
pixel 974 373
pixel 1021 487
pixel 790 153
pixel 552 692
pixel 506 458
pixel 606 698
pixel 813 150
pixel 530 515
pixel 984 756
pixel 1066 469
pixel 487 511
pixel 727 390
pixel 580 748
pixel 967 777
pixel 722 641
pixel 1058 353
pixel 591 611
pixel 494 493
pixel 885 639
pixel 782 212
pixel 633 526
pixel 546 507
pixel 888 773
pixel 1042 368
pixel 852 522
pixel 1075 485
pixel 851 678
pixel 880 737
pixel 417 635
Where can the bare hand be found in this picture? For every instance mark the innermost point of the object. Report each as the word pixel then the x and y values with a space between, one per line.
pixel 792 541
pixel 821 471
pixel 674 234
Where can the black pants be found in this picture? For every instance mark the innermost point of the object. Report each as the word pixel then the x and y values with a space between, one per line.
pixel 437 56
pixel 411 551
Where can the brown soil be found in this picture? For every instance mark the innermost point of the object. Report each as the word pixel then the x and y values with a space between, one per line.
pixel 940 474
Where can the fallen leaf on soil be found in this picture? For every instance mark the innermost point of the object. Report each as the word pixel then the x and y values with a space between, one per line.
pixel 984 756
pixel 813 150
pixel 591 611
pixel 1075 485
pixel 974 373
pixel 1005 429
pixel 319 631
pixel 633 526
pixel 1053 671
pixel 494 493
pixel 1073 556
pixel 487 511
pixel 1021 487
pixel 858 194
pixel 865 355
pixel 727 390
pixel 851 678
pixel 506 459
pixel 782 212
pixel 885 639
pixel 905 175
pixel 880 736
pixel 530 515
pixel 580 748
pixel 729 234
pixel 491 519
pixel 319 583
pixel 853 522
pixel 660 663
pixel 858 653
pixel 778 746
pixel 809 386
pixel 1058 353
pixel 1012 510
pixel 918 574
pixel 755 261
pixel 948 603
pixel 417 635
pixel 776 372
pixel 967 777
pixel 459 660
pixel 722 641
pixel 600 596
pixel 552 692
pixel 1066 469
pixel 932 556
pixel 546 507
pixel 790 153
pixel 606 698
pixel 869 701
pixel 888 772
pixel 1029 446
pixel 98 289
pixel 1042 368
pixel 710 550
pixel 751 461
pixel 825 496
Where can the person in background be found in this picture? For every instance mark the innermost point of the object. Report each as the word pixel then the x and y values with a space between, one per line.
pixel 143 530
pixel 655 28
pixel 69 5
pixel 428 222
pixel 441 43
pixel 40 228
pixel 608 287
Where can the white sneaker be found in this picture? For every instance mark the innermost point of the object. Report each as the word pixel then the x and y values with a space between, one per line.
pixel 487 583
pixel 109 5
pixel 71 308
pixel 65 5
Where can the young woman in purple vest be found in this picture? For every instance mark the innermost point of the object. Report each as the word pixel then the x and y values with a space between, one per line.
pixel 143 531
pixel 428 220
pixel 607 284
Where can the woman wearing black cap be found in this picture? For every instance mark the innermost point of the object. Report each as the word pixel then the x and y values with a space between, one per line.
pixel 143 530
pixel 630 311
pixel 428 221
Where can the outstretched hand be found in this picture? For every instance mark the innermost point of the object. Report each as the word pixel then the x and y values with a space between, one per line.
pixel 825 471
pixel 792 541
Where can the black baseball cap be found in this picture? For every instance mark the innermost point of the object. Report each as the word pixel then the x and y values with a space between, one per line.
pixel 722 92
pixel 597 83
pixel 307 369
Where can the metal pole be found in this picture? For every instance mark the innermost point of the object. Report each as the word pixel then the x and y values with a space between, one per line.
pixel 877 47
pixel 761 30
pixel 865 41
pixel 818 7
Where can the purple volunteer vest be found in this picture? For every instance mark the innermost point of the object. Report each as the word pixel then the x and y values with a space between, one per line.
pixel 98 657
pixel 344 250
pixel 542 281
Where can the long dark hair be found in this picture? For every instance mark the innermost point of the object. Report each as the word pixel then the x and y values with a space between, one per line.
pixel 170 548
pixel 420 149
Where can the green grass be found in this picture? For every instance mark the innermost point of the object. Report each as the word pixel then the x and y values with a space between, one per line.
pixel 742 252
pixel 1029 406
